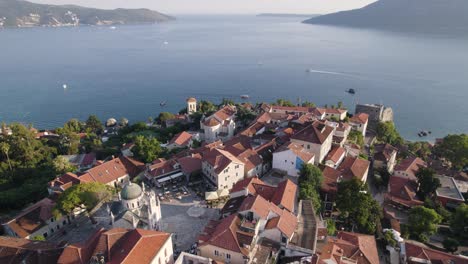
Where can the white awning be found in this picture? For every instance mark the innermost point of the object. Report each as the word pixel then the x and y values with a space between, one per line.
pixel 211 196
pixel 165 179
pixel 177 175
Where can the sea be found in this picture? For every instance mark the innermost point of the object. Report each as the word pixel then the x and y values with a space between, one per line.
pixel 128 71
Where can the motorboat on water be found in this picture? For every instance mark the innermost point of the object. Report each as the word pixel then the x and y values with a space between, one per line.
pixel 245 96
pixel 351 91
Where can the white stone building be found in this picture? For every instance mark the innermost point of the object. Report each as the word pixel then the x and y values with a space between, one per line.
pixel 290 157
pixel 220 125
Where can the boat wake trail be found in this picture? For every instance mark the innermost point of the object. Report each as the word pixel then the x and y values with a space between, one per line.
pixel 332 73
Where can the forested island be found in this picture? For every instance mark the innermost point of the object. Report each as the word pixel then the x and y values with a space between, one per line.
pixel 422 16
pixel 18 13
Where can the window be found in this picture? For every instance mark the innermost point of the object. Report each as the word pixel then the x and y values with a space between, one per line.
pixel 165 252
pixel 308 146
pixel 138 203
pixel 45 235
pixel 228 256
pixel 52 220
pixel 216 253
pixel 285 161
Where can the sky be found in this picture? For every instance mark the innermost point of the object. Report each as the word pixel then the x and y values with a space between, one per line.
pixel 223 6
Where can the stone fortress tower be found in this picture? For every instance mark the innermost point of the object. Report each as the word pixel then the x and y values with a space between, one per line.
pixel 191 105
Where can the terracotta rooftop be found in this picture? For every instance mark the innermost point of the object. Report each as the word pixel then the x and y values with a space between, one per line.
pixel 358 247
pixel 415 252
pixel 335 154
pixel 383 152
pixel 410 165
pixel 162 167
pixel 220 159
pixel 191 163
pixel 331 177
pixel 112 170
pixel 117 245
pixel 360 118
pixel 354 167
pixel 65 181
pixel 182 139
pixel 316 133
pixel 18 250
pixel 403 191
pixel 285 195
pixel 191 100
pixel 298 150
pixel 224 234
pixel 32 218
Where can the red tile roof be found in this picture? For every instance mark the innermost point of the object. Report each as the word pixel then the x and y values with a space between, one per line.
pixel 403 191
pixel 358 247
pixel 117 245
pixel 354 167
pixel 162 167
pixel 286 222
pixel 316 133
pixel 225 235
pixel 285 195
pixel 383 152
pixel 435 256
pixel 360 118
pixel 220 159
pixel 182 139
pixel 298 150
pixel 80 253
pixel 112 170
pixel 331 177
pixel 190 164
pixel 17 250
pixel 335 154
pixel 410 165
pixel 32 218
pixel 65 181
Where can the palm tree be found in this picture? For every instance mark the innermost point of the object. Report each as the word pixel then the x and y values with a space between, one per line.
pixel 5 148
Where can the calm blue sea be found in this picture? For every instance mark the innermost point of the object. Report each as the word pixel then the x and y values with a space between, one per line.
pixel 128 71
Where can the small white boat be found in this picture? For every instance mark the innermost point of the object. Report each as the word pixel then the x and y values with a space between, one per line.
pixel 166 43
pixel 64 86
pixel 113 27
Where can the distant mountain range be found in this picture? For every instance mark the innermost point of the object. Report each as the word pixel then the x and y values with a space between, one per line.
pixel 286 15
pixel 18 13
pixel 425 16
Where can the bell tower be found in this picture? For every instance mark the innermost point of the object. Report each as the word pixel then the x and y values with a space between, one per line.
pixel 191 105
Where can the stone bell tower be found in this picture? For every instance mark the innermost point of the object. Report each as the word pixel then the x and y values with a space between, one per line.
pixel 191 105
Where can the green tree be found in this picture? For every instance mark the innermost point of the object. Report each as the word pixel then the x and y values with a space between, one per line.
pixel 62 165
pixel 73 125
pixel 94 125
pixel 451 245
pixel 455 149
pixel 38 238
pixel 124 122
pixel 227 101
pixel 356 137
pixel 310 174
pixel 310 180
pixel 308 104
pixel 284 102
pixel 428 183
pixel 164 116
pixel 423 222
pixel 340 105
pixel 5 148
pixel 420 149
pixel 85 196
pixel 331 227
pixel 207 107
pixel 388 236
pixel 244 115
pixel 387 132
pixel 146 149
pixel 459 221
pixel 69 141
pixel 357 207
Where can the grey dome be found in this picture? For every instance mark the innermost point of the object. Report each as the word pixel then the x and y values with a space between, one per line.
pixel 131 191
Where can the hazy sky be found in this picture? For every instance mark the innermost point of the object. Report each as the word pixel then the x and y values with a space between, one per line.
pixel 224 6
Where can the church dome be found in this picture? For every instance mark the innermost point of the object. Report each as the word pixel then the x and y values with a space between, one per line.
pixel 191 100
pixel 131 191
